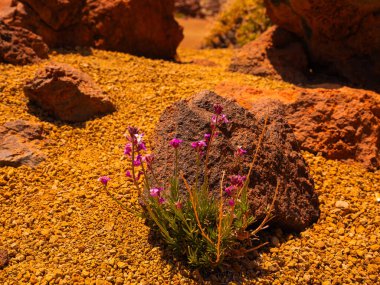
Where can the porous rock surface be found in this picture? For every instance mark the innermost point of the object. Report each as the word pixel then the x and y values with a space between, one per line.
pixel 279 158
pixel 342 36
pixel 341 124
pixel 19 144
pixel 67 93
pixel 140 27
pixel 276 53
pixel 20 46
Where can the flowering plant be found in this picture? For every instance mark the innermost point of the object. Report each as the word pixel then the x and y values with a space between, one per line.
pixel 205 228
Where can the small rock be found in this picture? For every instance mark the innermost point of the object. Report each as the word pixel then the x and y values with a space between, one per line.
pixel 341 204
pixel 4 258
pixel 122 265
pixel 320 244
pixel 67 93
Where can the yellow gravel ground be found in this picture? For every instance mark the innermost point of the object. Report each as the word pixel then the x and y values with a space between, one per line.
pixel 61 228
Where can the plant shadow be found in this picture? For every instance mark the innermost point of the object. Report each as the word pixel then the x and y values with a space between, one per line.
pixel 238 270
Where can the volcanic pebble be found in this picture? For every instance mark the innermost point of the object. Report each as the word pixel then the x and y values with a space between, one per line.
pixel 58 225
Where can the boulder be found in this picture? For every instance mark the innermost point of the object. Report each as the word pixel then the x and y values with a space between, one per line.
pixel 140 27
pixel 279 158
pixel 19 144
pixel 67 93
pixel 276 53
pixel 20 46
pixel 341 124
pixel 342 36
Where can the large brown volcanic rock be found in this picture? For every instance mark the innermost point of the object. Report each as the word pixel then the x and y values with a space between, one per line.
pixel 276 53
pixel 342 35
pixel 68 94
pixel 140 27
pixel 20 46
pixel 279 157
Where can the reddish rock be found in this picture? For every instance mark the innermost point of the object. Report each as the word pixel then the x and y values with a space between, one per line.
pixel 19 144
pixel 20 46
pixel 276 53
pixel 4 258
pixel 140 27
pixel 68 94
pixel 341 124
pixel 279 158
pixel 342 36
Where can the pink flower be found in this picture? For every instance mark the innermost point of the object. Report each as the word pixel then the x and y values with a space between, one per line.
pixel 178 205
pixel 104 180
pixel 161 200
pixel 207 137
pixel 155 192
pixel 128 149
pixel 128 174
pixel 231 202
pixel 230 189
pixel 198 145
pixel 224 119
pixel 149 158
pixel 141 146
pixel 137 161
pixel 240 151
pixel 175 143
pixel 237 180
pixel 218 109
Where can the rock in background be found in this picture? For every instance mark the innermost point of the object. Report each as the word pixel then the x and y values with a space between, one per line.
pixel 140 27
pixel 340 124
pixel 20 46
pixel 342 37
pixel 279 158
pixel 277 53
pixel 67 94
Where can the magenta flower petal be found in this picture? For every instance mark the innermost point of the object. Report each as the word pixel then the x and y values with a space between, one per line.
pixel 104 180
pixel 128 174
pixel 161 200
pixel 224 119
pixel 154 192
pixel 231 202
pixel 240 151
pixel 175 143
pixel 218 109
pixel 207 137
pixel 128 149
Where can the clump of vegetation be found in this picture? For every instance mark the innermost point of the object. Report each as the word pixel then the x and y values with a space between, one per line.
pixel 240 22
pixel 193 221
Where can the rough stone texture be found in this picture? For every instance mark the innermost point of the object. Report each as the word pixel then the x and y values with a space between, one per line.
pixel 68 94
pixel 276 53
pixel 342 35
pixel 19 142
pixel 20 46
pixel 341 124
pixel 4 258
pixel 279 158
pixel 140 27
pixel 198 8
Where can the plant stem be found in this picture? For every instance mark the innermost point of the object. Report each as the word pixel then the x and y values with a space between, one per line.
pixel 220 220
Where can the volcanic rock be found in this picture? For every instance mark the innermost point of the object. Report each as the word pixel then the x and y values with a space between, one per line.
pixel 4 258
pixel 276 53
pixel 67 93
pixel 140 27
pixel 341 124
pixel 19 141
pixel 342 36
pixel 20 46
pixel 278 159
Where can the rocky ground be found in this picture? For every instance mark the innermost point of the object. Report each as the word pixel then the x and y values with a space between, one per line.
pixel 59 227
